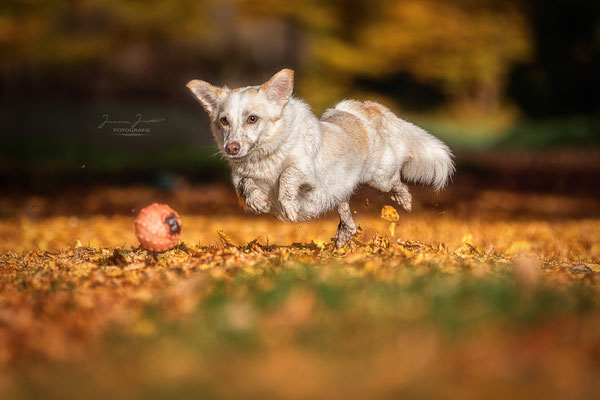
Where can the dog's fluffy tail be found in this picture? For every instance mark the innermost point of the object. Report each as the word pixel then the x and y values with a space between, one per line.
pixel 429 160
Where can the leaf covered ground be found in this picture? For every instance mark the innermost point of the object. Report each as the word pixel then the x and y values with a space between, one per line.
pixel 477 293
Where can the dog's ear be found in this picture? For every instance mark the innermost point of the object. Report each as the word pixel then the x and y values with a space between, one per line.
pixel 207 94
pixel 279 88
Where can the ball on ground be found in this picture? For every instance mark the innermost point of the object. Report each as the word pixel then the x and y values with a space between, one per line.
pixel 158 227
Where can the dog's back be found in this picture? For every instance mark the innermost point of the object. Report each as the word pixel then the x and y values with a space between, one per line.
pixel 397 149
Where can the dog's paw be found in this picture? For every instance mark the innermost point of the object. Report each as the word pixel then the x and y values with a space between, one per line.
pixel 258 202
pixel 343 236
pixel 290 210
pixel 402 197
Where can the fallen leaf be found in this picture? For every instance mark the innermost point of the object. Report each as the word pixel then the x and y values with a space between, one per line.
pixel 389 213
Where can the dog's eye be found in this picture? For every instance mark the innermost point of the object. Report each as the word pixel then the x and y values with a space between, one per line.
pixel 224 121
pixel 252 119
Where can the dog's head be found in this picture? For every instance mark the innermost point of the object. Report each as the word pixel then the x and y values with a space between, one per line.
pixel 244 119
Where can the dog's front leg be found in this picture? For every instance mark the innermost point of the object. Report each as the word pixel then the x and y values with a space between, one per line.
pixel 256 199
pixel 347 227
pixel 289 184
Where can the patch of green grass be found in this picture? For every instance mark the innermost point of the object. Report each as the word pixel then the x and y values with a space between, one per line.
pixel 336 302
pixel 524 134
pixel 559 132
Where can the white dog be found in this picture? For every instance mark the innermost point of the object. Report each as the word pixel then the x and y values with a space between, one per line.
pixel 287 162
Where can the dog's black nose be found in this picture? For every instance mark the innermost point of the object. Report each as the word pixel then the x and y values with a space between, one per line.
pixel 232 148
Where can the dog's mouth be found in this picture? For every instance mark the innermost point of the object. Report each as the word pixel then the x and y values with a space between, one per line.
pixel 237 156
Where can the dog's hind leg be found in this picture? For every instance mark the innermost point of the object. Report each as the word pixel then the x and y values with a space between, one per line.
pixel 398 191
pixel 401 195
pixel 347 227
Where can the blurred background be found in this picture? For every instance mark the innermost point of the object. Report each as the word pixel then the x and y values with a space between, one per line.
pixel 96 122
pixel 486 76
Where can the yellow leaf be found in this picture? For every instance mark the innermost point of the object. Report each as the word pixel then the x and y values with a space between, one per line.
pixel 594 267
pixel 419 258
pixel 319 243
pixel 519 246
pixel 389 213
pixel 227 242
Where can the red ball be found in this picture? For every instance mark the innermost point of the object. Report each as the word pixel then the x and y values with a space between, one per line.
pixel 158 227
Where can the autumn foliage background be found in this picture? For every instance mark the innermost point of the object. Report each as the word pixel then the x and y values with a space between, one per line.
pixel 487 289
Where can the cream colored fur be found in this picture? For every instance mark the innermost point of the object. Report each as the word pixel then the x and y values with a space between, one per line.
pixel 295 166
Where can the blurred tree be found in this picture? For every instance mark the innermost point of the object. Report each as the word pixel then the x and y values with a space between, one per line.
pixel 464 52
pixel 465 48
pixel 89 47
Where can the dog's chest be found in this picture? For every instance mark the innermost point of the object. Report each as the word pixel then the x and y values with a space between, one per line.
pixel 266 170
